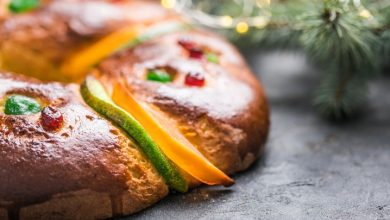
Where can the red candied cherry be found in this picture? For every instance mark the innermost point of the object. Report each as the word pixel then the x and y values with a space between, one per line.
pixel 51 118
pixel 194 51
pixel 195 79
pixel 186 43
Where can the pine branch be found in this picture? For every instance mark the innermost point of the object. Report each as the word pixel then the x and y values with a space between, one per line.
pixel 346 51
pixel 337 37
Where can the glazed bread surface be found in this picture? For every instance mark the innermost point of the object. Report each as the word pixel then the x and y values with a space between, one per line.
pixel 86 170
pixel 36 43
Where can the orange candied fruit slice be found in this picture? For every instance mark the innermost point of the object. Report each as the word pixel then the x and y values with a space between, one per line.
pixel 174 145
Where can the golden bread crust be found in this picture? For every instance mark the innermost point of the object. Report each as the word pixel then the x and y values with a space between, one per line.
pixel 87 153
pixel 86 205
pixel 227 119
pixel 45 37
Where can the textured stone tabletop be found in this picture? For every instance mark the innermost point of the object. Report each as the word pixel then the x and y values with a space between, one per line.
pixel 312 169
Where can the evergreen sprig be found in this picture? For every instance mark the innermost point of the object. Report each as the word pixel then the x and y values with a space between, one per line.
pixel 350 42
pixel 337 40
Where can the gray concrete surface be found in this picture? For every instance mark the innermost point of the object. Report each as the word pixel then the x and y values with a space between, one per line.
pixel 312 169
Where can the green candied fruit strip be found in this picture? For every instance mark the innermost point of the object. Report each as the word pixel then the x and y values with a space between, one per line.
pixel 212 57
pixel 19 6
pixel 158 76
pixel 95 95
pixel 21 105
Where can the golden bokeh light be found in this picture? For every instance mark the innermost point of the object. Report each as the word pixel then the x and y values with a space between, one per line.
pixel 365 13
pixel 242 27
pixel 168 3
pixel 226 21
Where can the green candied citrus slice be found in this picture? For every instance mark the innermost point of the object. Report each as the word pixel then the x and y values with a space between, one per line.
pixel 212 57
pixel 19 6
pixel 158 76
pixel 96 96
pixel 21 105
pixel 169 139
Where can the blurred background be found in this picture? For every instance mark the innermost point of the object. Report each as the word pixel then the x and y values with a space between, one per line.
pixel 347 41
